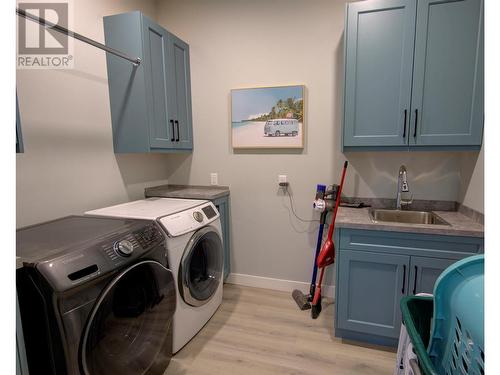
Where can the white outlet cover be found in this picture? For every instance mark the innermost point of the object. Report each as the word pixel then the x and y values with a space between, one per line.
pixel 282 178
pixel 214 179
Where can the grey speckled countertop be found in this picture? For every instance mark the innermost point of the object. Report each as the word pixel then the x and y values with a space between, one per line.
pixel 187 191
pixel 460 225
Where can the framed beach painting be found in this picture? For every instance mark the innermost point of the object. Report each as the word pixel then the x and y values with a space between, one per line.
pixel 268 117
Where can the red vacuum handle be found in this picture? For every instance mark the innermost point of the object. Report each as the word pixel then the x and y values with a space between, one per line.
pixel 327 253
pixel 337 202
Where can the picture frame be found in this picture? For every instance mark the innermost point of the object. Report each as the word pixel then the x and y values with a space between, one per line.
pixel 269 117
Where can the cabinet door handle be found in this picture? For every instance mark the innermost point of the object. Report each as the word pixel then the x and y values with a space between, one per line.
pixel 404 127
pixel 177 123
pixel 173 131
pixel 415 281
pixel 416 121
pixel 404 279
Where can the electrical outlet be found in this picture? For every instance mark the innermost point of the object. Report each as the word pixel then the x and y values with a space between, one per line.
pixel 214 179
pixel 282 180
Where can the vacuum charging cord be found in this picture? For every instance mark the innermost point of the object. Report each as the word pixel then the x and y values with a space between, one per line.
pixel 293 209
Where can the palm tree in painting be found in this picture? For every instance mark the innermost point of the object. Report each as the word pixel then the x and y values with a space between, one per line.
pixel 291 108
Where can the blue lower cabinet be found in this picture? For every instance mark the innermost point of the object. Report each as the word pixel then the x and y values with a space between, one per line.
pixel 376 268
pixel 371 285
pixel 222 205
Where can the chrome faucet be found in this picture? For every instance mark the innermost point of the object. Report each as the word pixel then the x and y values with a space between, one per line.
pixel 402 188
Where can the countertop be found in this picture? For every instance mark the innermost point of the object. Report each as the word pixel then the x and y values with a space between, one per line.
pixel 460 225
pixel 187 191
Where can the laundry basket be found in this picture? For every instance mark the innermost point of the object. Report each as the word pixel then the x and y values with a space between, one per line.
pixel 417 317
pixel 455 344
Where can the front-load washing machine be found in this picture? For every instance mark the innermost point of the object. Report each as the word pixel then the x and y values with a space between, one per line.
pixel 96 297
pixel 195 255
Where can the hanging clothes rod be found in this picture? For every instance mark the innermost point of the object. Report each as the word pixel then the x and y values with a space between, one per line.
pixel 47 24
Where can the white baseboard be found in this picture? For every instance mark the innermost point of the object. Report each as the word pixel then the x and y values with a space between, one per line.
pixel 276 284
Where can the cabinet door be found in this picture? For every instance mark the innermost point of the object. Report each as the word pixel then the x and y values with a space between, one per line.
pixel 180 85
pixel 222 205
pixel 370 288
pixel 447 102
pixel 378 68
pixel 424 272
pixel 161 121
pixel 19 134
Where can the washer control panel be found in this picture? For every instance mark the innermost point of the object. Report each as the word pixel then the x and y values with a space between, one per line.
pixel 105 254
pixel 190 220
pixel 140 241
pixel 209 211
pixel 198 216
pixel 124 248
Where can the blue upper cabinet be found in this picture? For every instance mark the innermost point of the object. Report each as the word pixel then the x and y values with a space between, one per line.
pixel 19 134
pixel 181 85
pixel 150 103
pixel 160 101
pixel 413 74
pixel 447 100
pixel 379 41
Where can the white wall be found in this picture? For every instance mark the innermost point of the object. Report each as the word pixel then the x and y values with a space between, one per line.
pixel 237 43
pixel 69 165
pixel 431 175
pixel 472 181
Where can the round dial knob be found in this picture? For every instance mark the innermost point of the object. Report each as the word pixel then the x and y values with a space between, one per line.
pixel 198 216
pixel 124 248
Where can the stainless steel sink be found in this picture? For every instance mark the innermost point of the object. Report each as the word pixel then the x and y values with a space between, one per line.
pixel 410 217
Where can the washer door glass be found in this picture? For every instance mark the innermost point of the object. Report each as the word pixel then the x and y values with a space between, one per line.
pixel 200 271
pixel 129 329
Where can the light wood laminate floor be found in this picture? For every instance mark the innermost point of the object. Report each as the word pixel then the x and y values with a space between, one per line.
pixel 261 331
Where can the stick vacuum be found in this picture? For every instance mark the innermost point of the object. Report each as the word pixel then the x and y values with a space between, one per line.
pixel 327 253
pixel 322 203
pixel 304 300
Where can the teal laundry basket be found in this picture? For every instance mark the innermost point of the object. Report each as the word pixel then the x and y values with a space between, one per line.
pixel 451 323
pixel 456 344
